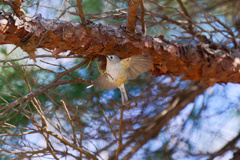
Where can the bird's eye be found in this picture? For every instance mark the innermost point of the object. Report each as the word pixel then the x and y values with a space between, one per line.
pixel 111 57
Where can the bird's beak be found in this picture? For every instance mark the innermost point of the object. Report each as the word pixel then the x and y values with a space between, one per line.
pixel 106 56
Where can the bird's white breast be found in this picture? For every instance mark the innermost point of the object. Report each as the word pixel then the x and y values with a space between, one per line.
pixel 116 74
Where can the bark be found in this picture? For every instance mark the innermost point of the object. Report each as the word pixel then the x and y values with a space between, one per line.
pixel 206 63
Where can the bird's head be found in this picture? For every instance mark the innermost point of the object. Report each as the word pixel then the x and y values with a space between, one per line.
pixel 112 59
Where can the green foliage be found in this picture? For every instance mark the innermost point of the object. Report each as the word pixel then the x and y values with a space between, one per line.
pixel 5 7
pixel 92 6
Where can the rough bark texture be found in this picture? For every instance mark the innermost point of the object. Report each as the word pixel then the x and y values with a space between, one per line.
pixel 206 63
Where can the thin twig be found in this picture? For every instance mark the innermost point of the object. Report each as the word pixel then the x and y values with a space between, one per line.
pixel 120 133
pixel 41 56
pixel 109 124
pixel 70 120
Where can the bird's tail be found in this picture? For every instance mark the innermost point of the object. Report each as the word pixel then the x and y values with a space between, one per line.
pixel 123 94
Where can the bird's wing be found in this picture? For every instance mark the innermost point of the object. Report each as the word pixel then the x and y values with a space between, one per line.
pixel 103 84
pixel 136 65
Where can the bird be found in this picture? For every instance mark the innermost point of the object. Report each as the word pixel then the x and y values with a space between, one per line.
pixel 120 71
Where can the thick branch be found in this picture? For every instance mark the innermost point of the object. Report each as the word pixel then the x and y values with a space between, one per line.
pixel 205 63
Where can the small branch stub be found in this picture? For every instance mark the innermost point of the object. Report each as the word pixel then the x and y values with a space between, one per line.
pixel 80 10
pixel 132 14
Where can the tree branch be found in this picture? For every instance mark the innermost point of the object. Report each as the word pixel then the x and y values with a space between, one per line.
pixel 205 63
pixel 80 10
pixel 142 17
pixel 16 6
pixel 229 146
pixel 132 14
pixel 152 126
pixel 42 90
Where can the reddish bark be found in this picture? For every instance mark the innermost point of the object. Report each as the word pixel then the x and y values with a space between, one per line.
pixel 204 63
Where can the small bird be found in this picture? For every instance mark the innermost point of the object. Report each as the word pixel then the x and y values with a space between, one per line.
pixel 118 72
